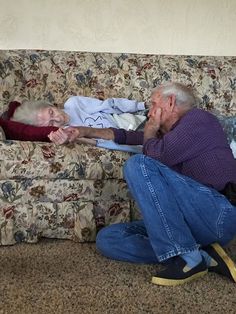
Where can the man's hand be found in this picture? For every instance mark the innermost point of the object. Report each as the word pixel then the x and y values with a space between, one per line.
pixel 58 137
pixel 73 133
pixel 152 126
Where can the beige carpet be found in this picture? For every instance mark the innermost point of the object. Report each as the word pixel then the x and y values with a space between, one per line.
pixel 55 276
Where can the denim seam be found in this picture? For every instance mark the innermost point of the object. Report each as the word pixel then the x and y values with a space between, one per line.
pixel 154 196
pixel 220 222
pixel 177 250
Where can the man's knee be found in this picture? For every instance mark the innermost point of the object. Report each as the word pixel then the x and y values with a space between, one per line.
pixel 101 239
pixel 132 165
pixel 107 237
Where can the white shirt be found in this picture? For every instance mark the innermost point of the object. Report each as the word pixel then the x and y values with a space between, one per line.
pixel 92 112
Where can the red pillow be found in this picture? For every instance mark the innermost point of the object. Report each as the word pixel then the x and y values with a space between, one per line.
pixel 23 132
pixel 11 109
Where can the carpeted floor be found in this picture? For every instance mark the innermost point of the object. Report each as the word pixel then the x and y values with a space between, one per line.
pixel 55 276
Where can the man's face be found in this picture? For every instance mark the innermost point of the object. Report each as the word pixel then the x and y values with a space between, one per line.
pixel 164 103
pixel 52 116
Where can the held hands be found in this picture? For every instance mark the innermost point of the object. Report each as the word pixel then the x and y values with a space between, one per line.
pixel 62 136
pixel 72 134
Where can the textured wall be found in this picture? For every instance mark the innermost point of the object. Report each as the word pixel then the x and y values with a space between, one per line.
pixel 204 27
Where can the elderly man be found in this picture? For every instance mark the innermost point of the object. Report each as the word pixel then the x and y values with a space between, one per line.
pixel 184 184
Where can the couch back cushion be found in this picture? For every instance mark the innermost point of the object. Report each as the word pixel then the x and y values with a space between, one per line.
pixel 56 75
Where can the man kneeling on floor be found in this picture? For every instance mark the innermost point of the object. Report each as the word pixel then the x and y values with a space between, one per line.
pixel 184 184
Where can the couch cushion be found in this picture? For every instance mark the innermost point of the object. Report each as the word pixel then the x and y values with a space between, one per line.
pixel 66 191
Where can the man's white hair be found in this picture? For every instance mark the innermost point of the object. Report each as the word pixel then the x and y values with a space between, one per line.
pixel 27 112
pixel 184 95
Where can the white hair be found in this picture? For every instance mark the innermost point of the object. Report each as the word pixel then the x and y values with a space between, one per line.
pixel 28 110
pixel 184 95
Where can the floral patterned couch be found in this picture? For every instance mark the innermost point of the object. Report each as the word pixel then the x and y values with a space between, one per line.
pixel 71 191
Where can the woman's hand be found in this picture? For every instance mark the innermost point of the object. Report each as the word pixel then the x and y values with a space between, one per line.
pixel 66 135
pixel 58 137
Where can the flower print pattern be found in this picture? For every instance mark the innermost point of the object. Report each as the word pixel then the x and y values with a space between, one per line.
pixel 72 191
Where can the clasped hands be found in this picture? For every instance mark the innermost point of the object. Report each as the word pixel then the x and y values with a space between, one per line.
pixel 67 135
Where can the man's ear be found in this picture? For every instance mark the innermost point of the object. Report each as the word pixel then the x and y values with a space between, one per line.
pixel 172 102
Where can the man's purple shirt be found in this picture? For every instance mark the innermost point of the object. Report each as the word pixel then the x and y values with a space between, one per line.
pixel 196 146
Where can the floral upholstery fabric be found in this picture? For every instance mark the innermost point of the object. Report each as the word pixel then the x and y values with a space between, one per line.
pixel 68 191
pixel 72 191
pixel 2 135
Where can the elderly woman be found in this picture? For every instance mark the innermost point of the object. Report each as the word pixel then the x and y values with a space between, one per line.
pixel 87 112
pixel 82 111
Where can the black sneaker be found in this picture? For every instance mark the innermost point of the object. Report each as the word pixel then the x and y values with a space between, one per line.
pixel 177 272
pixel 224 264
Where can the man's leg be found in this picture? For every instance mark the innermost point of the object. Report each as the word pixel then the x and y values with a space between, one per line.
pixel 179 213
pixel 126 242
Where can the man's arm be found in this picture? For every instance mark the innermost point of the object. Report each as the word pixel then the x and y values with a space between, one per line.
pixel 75 134
pixel 120 136
pixel 83 131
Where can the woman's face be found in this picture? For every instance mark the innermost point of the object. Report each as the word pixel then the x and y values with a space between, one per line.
pixel 52 116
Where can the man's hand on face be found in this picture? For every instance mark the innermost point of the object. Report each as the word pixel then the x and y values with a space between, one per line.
pixel 152 126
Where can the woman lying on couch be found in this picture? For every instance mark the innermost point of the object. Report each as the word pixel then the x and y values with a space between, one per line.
pixel 82 111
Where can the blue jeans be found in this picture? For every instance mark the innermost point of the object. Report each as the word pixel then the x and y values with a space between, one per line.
pixel 179 215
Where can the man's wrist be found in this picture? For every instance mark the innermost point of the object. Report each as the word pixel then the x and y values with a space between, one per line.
pixel 106 134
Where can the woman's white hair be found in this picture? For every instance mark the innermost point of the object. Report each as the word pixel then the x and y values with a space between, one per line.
pixel 184 95
pixel 27 112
